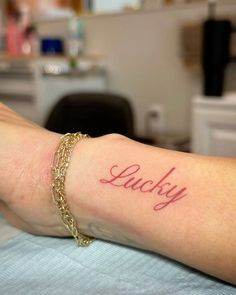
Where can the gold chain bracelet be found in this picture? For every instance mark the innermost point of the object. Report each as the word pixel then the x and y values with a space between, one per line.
pixel 60 164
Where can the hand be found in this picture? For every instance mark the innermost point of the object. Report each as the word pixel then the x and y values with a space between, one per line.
pixel 26 152
pixel 26 156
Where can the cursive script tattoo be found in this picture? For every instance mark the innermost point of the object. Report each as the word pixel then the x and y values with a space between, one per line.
pixel 128 178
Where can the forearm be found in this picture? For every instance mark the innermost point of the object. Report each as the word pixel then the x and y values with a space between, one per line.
pixel 179 205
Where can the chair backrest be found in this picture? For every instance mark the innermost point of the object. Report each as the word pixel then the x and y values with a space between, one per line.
pixel 93 113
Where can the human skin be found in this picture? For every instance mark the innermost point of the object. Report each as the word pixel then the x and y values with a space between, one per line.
pixel 180 205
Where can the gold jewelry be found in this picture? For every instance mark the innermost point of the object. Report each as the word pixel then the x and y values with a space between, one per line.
pixel 60 164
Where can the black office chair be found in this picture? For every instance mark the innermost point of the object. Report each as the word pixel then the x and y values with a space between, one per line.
pixel 93 113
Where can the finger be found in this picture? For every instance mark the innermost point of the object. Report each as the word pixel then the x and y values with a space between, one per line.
pixel 13 219
pixel 3 106
pixel 13 118
pixel 9 116
pixel 16 221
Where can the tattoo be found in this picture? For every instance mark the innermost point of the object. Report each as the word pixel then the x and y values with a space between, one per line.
pixel 128 179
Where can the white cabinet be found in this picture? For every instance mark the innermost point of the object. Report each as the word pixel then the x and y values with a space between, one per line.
pixel 214 125
pixel 51 89
pixel 18 87
pixel 32 92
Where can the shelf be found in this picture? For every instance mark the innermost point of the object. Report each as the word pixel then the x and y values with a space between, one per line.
pixel 161 8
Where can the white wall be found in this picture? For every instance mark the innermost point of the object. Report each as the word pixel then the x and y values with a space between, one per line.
pixel 108 5
pixel 143 56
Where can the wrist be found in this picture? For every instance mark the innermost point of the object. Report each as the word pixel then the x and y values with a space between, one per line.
pixel 98 214
pixel 26 179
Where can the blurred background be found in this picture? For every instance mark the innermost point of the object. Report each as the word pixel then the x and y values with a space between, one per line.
pixel 160 71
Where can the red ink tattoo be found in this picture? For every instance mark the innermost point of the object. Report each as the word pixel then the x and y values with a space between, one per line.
pixel 127 178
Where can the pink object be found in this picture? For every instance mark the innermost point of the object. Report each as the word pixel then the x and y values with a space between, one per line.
pixel 14 37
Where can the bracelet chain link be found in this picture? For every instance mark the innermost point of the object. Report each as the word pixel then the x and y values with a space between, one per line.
pixel 59 168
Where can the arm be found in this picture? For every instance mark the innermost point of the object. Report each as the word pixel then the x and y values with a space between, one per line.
pixel 179 205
